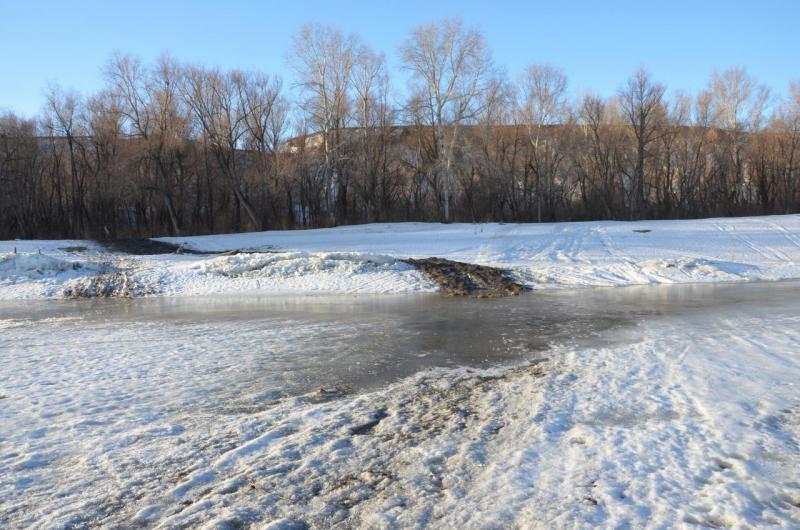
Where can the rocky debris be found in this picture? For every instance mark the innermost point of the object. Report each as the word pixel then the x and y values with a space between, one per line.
pixel 117 284
pixel 467 279
pixel 323 395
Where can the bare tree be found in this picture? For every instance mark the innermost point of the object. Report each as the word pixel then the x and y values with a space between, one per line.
pixel 323 58
pixel 373 117
pixel 24 209
pixel 164 148
pixel 786 123
pixel 452 68
pixel 63 109
pixel 154 115
pixel 218 104
pixel 642 103
pixel 265 122
pixel 541 104
pixel 738 101
pixel 737 104
pixel 104 127
pixel 597 158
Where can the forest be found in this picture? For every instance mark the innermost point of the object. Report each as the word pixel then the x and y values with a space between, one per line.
pixel 182 149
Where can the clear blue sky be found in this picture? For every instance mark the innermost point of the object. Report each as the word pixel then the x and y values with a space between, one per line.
pixel 598 43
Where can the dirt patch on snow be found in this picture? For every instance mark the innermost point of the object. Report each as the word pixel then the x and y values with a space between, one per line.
pixel 152 247
pixel 140 246
pixel 467 279
pixel 407 447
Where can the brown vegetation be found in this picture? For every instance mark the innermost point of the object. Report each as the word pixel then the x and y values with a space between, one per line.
pixel 173 149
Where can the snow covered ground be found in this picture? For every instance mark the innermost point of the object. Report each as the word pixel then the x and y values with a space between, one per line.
pixel 364 258
pixel 687 419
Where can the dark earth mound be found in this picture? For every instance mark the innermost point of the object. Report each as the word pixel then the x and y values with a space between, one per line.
pixel 150 247
pixel 467 279
pixel 143 247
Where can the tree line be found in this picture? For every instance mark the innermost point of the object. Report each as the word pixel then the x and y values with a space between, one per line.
pixel 180 149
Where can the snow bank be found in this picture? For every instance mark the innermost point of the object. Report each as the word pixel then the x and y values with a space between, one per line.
pixel 366 258
pixel 53 276
pixel 291 272
pixel 629 272
pixel 298 263
pixel 36 275
pixel 22 267
pixel 567 254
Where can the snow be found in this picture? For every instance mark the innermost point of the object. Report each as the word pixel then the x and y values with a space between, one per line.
pixel 365 258
pixel 166 275
pixel 33 267
pixel 303 271
pixel 690 419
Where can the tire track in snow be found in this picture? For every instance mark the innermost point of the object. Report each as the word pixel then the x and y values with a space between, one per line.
pixel 786 233
pixel 772 255
pixel 569 249
pixel 547 249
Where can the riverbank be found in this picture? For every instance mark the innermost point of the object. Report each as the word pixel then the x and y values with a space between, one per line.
pixel 374 258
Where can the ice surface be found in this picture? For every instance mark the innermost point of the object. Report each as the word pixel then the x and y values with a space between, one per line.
pixel 689 413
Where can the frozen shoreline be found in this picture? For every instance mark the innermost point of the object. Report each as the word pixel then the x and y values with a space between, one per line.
pixel 366 258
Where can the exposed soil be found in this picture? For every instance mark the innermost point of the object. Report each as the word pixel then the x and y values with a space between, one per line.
pixel 467 279
pixel 151 247
pixel 143 247
pixel 74 249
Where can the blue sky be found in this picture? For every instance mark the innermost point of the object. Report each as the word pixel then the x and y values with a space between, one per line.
pixel 597 43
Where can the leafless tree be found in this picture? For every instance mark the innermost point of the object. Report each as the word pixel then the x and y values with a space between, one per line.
pixel 154 114
pixel 63 119
pixel 323 58
pixel 265 116
pixel 164 148
pixel 452 69
pixel 786 127
pixel 642 103
pixel 23 204
pixel 737 105
pixel 373 117
pixel 541 104
pixel 218 104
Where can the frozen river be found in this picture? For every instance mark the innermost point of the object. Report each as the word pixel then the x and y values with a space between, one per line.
pixel 105 392
pixel 229 347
